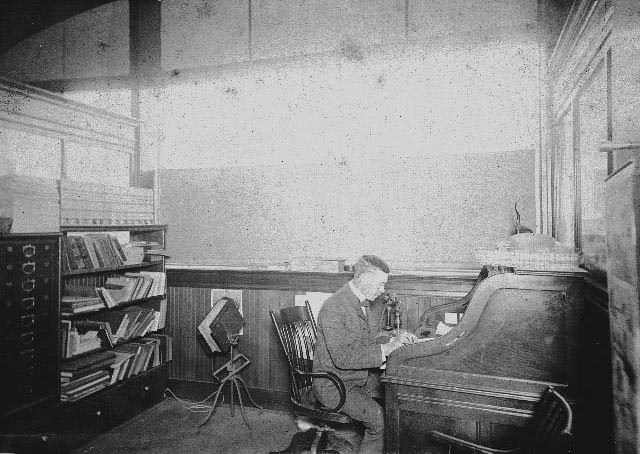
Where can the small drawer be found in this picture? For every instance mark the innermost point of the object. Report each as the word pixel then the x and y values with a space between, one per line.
pixel 29 250
pixel 27 321
pixel 28 268
pixel 28 285
pixel 27 357
pixel 28 303
pixel 27 338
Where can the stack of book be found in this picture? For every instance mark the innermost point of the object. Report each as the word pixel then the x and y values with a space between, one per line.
pixel 132 286
pixel 96 204
pixel 128 323
pixel 91 251
pixel 31 202
pixel 150 250
pixel 80 299
pixel 136 357
pixel 86 375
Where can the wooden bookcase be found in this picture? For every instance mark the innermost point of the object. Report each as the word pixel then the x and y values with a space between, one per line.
pixel 97 276
pixel 69 424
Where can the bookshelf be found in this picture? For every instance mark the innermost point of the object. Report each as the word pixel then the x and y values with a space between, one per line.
pixel 99 400
pixel 113 306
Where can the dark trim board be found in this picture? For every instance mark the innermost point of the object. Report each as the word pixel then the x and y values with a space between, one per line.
pixel 198 390
pixel 445 283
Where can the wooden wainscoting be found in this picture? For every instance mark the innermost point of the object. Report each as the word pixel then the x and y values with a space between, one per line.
pixel 267 377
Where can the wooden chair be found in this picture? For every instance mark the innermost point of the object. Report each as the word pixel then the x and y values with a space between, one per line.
pixel 297 333
pixel 549 433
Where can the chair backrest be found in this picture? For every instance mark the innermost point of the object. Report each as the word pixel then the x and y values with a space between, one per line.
pixel 552 422
pixel 297 332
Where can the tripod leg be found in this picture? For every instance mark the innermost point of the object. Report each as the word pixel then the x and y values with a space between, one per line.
pixel 231 390
pixel 215 402
pixel 235 384
pixel 247 391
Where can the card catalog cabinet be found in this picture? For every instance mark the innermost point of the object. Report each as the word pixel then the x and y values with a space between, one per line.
pixel 29 294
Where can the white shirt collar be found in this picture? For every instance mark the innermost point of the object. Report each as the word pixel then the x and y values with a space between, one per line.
pixel 357 291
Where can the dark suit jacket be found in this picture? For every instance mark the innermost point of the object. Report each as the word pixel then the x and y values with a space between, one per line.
pixel 346 344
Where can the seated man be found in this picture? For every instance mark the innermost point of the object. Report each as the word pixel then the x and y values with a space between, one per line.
pixel 346 346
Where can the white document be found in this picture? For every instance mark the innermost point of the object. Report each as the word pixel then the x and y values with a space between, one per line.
pixel 451 318
pixel 442 329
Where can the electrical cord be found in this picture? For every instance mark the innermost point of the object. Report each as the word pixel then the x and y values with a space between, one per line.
pixel 193 407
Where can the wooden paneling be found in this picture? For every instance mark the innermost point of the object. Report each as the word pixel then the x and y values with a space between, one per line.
pixel 594 428
pixel 267 377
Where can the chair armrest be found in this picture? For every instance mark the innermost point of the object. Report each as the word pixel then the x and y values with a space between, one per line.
pixel 337 381
pixel 468 444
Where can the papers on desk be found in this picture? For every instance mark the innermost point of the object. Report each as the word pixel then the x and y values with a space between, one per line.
pixel 424 339
pixel 442 329
pixel 451 318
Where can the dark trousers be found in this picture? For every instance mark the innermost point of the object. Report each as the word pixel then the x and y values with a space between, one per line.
pixel 362 407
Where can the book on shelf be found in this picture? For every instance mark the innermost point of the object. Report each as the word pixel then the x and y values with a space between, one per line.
pixel 135 350
pixel 80 382
pixel 160 309
pixel 78 366
pixel 124 361
pixel 68 262
pixel 78 342
pixel 75 258
pixel 119 366
pixel 65 327
pixel 77 299
pixel 104 244
pixel 140 321
pixel 132 287
pixel 84 253
pixel 165 346
pixel 86 389
pixel 129 322
pixel 117 321
pixel 92 251
pixel 103 330
pixel 118 249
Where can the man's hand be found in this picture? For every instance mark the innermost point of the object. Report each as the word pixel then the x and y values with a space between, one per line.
pixel 405 337
pixel 399 340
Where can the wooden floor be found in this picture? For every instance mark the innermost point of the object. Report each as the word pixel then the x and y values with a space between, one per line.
pixel 170 428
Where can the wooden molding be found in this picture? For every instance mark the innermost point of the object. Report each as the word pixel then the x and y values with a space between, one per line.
pixel 28 108
pixel 606 147
pixel 453 285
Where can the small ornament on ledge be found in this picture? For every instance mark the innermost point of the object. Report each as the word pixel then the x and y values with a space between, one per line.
pixel 519 228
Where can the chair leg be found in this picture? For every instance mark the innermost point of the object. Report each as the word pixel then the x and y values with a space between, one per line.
pixel 316 441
